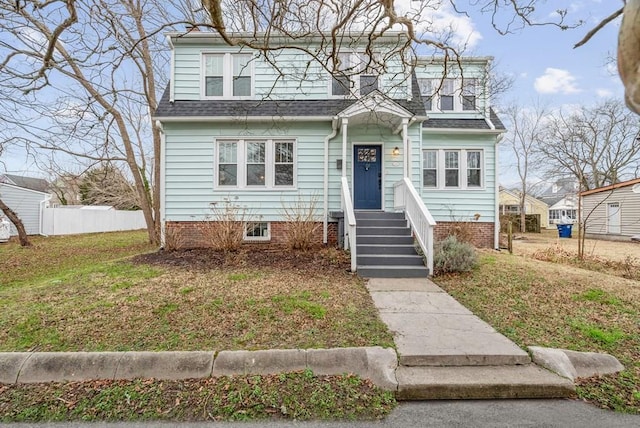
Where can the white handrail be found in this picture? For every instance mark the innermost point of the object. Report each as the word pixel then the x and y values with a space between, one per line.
pixel 406 197
pixel 349 222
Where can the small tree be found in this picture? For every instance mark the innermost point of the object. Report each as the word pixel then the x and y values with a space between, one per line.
pixel 17 222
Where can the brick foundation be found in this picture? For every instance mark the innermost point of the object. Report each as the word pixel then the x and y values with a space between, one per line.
pixel 189 234
pixel 480 234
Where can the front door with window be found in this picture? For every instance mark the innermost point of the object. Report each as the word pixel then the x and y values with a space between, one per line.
pixel 367 177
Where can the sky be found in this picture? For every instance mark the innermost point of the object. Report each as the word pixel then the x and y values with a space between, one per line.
pixel 541 59
pixel 544 64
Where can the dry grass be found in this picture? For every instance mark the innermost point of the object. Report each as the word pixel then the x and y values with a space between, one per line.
pixel 561 306
pixel 170 306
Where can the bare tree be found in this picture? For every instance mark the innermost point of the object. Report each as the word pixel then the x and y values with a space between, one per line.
pixel 107 185
pixel 79 81
pixel 598 145
pixel 524 137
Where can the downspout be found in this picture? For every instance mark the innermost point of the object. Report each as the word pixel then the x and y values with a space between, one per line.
pixel 496 220
pixel 162 182
pixel 325 202
pixel 345 123
pixel 46 199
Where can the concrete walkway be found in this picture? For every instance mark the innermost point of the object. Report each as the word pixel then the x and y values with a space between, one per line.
pixel 445 351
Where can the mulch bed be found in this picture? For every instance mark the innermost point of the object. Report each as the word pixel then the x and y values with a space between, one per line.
pixel 316 260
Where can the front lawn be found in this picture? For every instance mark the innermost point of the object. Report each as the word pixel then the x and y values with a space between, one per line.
pixel 113 292
pixel 561 306
pixel 79 294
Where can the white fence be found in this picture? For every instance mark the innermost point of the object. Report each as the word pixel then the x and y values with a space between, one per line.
pixel 68 221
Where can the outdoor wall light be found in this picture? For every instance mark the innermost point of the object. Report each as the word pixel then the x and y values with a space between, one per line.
pixel 395 151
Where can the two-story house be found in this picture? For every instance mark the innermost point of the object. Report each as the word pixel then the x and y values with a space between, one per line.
pixel 364 132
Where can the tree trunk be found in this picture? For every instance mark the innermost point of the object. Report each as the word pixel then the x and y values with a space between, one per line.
pixel 523 214
pixel 13 218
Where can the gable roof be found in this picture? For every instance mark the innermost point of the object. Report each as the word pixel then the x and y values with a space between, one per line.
pixel 611 187
pixel 31 183
pixel 269 107
pixel 517 193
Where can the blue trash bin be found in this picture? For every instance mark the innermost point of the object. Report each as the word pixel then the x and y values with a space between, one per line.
pixel 564 230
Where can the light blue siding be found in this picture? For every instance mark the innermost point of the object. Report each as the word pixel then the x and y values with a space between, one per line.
pixel 458 204
pixel 189 167
pixel 297 75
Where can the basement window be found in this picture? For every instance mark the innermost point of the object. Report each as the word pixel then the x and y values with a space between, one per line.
pixel 257 231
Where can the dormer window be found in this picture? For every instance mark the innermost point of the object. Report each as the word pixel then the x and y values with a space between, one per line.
pixel 227 75
pixel 449 95
pixel 469 94
pixel 355 74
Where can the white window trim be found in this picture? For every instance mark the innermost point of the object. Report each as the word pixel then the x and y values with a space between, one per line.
pixel 227 76
pixel 457 97
pixel 462 170
pixel 354 92
pixel 242 164
pixel 257 238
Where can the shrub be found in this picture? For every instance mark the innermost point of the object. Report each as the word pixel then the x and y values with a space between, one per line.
pixel 302 223
pixel 452 256
pixel 173 239
pixel 224 229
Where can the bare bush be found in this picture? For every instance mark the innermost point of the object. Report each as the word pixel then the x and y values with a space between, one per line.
pixel 302 223
pixel 224 228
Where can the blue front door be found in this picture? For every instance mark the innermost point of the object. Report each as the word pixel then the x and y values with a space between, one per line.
pixel 367 177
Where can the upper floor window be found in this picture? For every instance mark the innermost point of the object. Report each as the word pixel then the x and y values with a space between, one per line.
pixel 452 169
pixel 449 94
pixel 255 163
pixel 356 73
pixel 227 75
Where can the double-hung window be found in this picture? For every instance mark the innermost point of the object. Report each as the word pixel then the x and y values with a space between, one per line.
pixel 255 163
pixel 469 94
pixel 342 82
pixel 447 92
pixel 214 75
pixel 430 168
pixel 227 75
pixel 452 169
pixel 427 90
pixel 474 168
pixel 355 73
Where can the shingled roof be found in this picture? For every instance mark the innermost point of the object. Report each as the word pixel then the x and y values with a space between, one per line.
pixel 270 107
pixel 31 183
pixel 460 123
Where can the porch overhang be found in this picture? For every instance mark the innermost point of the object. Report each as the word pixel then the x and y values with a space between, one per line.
pixel 375 108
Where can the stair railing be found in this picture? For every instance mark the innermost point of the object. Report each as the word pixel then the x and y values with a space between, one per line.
pixel 406 198
pixel 350 222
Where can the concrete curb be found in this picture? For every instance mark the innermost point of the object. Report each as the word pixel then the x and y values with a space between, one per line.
pixel 374 363
pixel 574 364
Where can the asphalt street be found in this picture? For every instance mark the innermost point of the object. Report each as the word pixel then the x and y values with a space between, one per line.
pixel 464 413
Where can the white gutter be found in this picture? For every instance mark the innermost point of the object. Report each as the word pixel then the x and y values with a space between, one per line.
pixel 462 131
pixel 46 199
pixel 167 119
pixel 162 182
pixel 325 201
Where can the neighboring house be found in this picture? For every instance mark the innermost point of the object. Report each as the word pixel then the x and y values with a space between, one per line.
pixel 32 183
pixel 510 204
pixel 267 134
pixel 613 211
pixel 562 199
pixel 27 203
